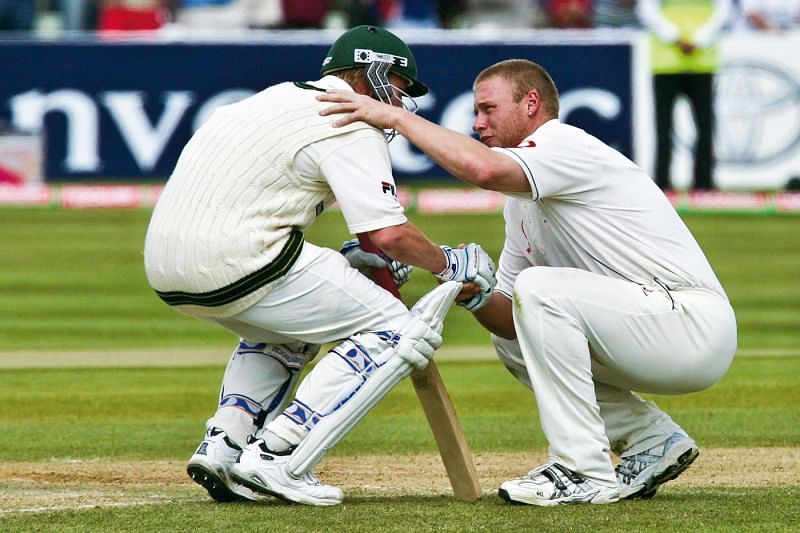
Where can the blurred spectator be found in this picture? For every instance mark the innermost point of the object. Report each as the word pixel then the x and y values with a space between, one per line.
pixel 414 14
pixel 771 15
pixel 17 15
pixel 615 14
pixel 569 13
pixel 78 15
pixel 264 14
pixel 212 14
pixel 684 61
pixel 304 13
pixel 451 13
pixel 131 15
pixel 369 12
pixel 505 14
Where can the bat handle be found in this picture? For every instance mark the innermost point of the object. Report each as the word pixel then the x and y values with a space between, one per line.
pixel 382 275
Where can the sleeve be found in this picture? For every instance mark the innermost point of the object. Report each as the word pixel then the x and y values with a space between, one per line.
pixel 562 164
pixel 707 34
pixel 649 13
pixel 512 259
pixel 357 168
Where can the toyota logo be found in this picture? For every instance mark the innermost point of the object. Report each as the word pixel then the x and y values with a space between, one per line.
pixel 758 114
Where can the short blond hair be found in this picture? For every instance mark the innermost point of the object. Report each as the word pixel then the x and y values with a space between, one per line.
pixel 351 75
pixel 524 75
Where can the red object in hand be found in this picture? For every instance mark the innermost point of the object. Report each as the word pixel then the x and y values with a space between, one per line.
pixel 382 275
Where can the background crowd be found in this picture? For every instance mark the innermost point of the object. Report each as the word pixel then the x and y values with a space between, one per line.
pixel 49 16
pixel 685 36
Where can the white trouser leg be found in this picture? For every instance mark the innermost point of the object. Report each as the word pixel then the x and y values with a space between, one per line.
pixel 510 354
pixel 632 423
pixel 322 299
pixel 639 338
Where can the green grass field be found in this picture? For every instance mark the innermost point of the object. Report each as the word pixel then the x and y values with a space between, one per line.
pixel 72 281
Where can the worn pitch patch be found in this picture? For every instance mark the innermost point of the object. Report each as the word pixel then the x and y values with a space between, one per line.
pixel 74 484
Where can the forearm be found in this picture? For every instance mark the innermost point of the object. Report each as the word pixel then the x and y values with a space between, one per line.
pixel 461 155
pixel 496 316
pixel 649 13
pixel 407 244
pixel 458 154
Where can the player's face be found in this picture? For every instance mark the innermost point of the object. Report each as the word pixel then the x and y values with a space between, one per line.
pixel 400 83
pixel 498 119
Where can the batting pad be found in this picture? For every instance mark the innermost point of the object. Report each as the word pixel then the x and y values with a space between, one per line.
pixel 432 309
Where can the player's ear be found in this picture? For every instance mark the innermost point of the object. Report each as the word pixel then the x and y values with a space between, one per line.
pixel 362 86
pixel 533 102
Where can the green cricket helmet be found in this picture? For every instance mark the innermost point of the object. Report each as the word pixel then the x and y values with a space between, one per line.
pixel 380 51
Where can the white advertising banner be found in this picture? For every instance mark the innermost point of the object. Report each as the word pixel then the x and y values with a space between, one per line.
pixel 757 104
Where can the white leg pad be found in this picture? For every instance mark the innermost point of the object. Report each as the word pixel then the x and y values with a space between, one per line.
pixel 331 428
pixel 410 349
pixel 258 381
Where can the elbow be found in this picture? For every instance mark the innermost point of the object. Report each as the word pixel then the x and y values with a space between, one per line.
pixel 389 239
pixel 482 175
pixel 508 334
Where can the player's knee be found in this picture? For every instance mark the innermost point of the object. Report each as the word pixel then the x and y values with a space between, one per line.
pixel 535 285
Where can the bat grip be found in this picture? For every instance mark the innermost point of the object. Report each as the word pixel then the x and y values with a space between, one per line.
pixel 382 275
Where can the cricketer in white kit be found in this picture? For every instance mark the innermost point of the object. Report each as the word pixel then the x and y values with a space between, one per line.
pixel 602 290
pixel 621 299
pixel 225 244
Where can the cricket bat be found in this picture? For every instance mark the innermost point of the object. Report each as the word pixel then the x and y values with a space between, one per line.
pixel 438 408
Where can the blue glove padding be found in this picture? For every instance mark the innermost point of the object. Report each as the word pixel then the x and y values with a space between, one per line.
pixel 364 262
pixel 470 263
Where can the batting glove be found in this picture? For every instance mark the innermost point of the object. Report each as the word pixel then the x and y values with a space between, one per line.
pixel 364 262
pixel 470 263
pixel 477 301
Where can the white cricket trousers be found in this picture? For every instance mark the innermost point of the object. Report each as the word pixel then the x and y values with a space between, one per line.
pixel 320 300
pixel 587 341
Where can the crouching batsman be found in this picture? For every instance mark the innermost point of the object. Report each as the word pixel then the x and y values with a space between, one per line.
pixel 225 244
pixel 602 291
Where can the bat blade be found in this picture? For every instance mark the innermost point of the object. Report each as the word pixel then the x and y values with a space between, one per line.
pixel 438 408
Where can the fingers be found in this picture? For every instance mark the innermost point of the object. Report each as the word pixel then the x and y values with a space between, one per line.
pixel 343 100
pixel 468 291
pixel 344 103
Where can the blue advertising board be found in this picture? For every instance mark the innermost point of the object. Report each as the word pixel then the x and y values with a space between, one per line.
pixel 123 110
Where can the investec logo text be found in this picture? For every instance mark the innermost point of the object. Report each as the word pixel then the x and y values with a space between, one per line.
pixel 147 139
pixel 144 138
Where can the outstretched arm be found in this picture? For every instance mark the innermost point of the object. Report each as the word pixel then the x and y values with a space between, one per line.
pixel 461 155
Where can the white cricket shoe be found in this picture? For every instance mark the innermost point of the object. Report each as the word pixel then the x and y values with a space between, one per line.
pixel 210 466
pixel 641 474
pixel 265 471
pixel 554 484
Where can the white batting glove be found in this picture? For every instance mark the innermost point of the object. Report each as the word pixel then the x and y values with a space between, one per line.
pixel 477 301
pixel 421 336
pixel 470 263
pixel 364 262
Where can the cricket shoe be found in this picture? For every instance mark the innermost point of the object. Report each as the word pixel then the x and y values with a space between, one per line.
pixel 554 484
pixel 210 466
pixel 266 472
pixel 641 474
